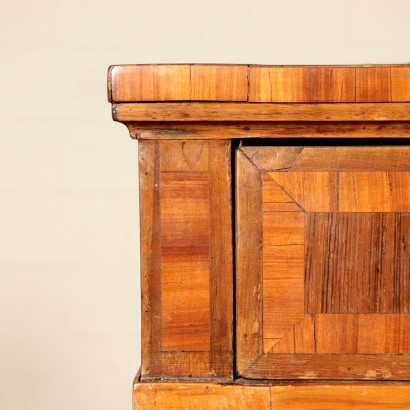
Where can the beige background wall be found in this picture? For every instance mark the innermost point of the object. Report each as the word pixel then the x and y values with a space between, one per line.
pixel 69 290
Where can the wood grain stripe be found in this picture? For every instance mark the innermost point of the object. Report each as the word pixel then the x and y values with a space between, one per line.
pixel 348 191
pixel 374 192
pixel 185 156
pixel 302 84
pixel 184 365
pixel 247 394
pixel 210 82
pixel 370 272
pixel 221 258
pixel 150 83
pixel 215 111
pixel 356 158
pixel 337 333
pixel 148 152
pixel 185 261
pixel 363 396
pixel 332 84
pixel 200 396
pixel 305 340
pixel 363 333
pixel 185 189
pixel 400 80
pixel 331 366
pixel 283 281
pixel 312 191
pixel 249 283
pixel 289 84
pixel 272 158
pixel 286 344
pixel 186 82
pixel 250 129
pixel 219 83
pixel 373 84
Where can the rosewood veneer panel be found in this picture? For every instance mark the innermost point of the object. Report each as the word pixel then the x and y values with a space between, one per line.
pixel 373 274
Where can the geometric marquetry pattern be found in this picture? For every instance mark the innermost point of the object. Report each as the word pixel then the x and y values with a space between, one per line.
pixel 336 262
pixel 323 262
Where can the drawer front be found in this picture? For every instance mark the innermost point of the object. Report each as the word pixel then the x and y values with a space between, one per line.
pixel 323 262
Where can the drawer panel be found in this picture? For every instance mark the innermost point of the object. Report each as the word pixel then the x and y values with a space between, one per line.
pixel 323 262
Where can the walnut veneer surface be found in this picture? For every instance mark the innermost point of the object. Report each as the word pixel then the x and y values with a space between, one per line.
pixel 302 173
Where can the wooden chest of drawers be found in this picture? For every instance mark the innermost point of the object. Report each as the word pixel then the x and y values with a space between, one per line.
pixel 275 234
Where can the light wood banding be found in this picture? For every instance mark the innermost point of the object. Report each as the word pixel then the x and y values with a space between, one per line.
pixel 250 83
pixel 266 396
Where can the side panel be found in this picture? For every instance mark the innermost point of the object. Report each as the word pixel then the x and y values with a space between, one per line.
pixel 186 259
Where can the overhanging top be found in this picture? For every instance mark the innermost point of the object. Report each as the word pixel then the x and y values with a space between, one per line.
pixel 255 84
